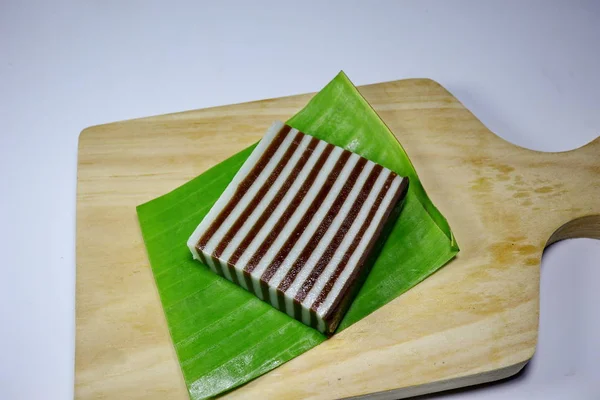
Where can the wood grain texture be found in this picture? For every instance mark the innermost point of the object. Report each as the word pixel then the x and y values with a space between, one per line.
pixel 474 321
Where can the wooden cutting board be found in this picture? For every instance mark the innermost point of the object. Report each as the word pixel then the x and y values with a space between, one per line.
pixel 474 321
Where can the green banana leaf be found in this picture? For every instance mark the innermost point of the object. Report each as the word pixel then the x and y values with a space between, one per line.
pixel 223 335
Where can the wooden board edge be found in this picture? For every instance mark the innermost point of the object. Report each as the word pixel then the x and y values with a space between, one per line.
pixel 481 378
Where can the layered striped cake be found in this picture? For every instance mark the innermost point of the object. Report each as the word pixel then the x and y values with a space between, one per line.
pixel 300 225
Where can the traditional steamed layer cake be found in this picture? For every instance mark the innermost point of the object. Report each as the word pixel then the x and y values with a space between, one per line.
pixel 300 225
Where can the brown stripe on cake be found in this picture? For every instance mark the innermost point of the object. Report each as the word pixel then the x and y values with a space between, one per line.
pixel 313 322
pixel 313 318
pixel 297 307
pixel 247 279
pixel 201 256
pixel 325 259
pixel 264 289
pixel 280 299
pixel 337 305
pixel 235 227
pixel 218 270
pixel 333 211
pixel 279 196
pixel 230 268
pixel 245 185
pixel 346 257
pixel 306 218
pixel 234 277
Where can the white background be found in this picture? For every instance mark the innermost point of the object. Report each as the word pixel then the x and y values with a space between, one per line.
pixel 529 70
